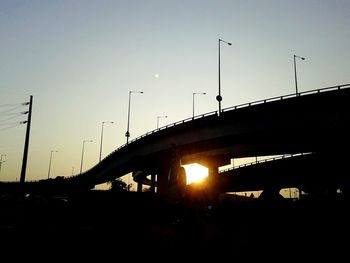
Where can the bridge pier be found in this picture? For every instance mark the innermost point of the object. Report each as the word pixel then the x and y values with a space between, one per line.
pixel 162 181
pixel 171 180
pixel 171 184
pixel 213 177
pixel 153 183
pixel 139 187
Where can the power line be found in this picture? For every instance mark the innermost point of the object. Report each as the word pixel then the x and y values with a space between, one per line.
pixel 11 104
pixel 11 123
pixel 9 112
pixel 10 118
pixel 12 126
pixel 11 109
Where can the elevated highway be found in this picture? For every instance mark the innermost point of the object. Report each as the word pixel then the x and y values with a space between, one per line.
pixel 315 121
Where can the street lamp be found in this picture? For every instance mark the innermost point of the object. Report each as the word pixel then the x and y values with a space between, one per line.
pixel 127 134
pixel 82 154
pixel 102 136
pixel 218 97
pixel 48 173
pixel 194 93
pixel 1 161
pixel 295 73
pixel 158 117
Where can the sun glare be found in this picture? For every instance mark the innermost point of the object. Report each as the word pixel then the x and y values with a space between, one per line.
pixel 195 172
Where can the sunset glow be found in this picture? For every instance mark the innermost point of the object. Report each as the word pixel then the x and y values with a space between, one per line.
pixel 195 173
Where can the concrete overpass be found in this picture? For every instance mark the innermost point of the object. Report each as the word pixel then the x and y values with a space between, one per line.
pixel 314 121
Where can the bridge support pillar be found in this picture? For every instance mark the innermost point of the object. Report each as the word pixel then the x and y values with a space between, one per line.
pixel 162 181
pixel 213 180
pixel 139 187
pixel 213 176
pixel 171 182
pixel 153 183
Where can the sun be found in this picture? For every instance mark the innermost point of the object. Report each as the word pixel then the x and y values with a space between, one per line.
pixel 195 173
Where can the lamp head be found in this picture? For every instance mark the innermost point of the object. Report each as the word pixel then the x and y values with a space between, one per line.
pixel 228 43
pixel 302 58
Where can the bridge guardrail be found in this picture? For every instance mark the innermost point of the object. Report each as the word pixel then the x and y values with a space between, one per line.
pixel 286 96
pixel 284 156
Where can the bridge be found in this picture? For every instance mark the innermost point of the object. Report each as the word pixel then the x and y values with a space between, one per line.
pixel 313 122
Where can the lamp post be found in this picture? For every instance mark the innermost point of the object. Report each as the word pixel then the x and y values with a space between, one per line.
pixel 102 137
pixel 82 154
pixel 48 173
pixel 127 134
pixel 295 73
pixel 194 93
pixel 158 117
pixel 1 161
pixel 219 97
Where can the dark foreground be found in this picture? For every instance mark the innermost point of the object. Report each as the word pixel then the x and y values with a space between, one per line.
pixel 130 226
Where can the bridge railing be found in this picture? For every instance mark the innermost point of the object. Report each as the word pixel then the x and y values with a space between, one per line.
pixel 286 97
pixel 169 126
pixel 284 156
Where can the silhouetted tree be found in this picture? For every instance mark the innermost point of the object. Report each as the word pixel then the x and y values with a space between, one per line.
pixel 118 185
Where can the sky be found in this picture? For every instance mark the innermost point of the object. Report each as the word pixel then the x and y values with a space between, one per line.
pixel 79 60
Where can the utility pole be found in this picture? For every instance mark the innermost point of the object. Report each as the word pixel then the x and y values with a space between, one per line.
pixel 26 143
pixel 1 161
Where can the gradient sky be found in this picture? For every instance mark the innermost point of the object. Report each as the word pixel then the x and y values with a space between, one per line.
pixel 79 59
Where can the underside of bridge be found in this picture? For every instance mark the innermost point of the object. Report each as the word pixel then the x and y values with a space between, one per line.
pixel 316 175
